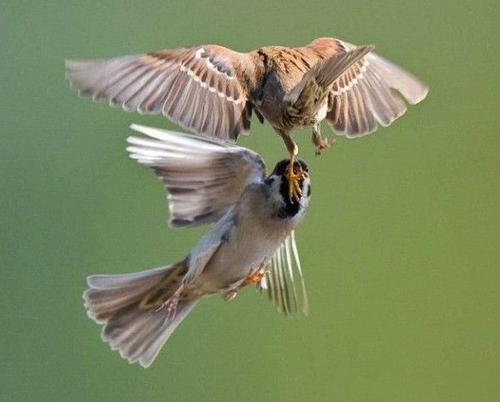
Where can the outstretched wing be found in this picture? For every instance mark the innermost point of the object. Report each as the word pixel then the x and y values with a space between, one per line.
pixel 370 93
pixel 283 281
pixel 202 88
pixel 203 178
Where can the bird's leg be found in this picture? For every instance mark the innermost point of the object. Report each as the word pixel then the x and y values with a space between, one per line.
pixel 256 275
pixel 321 143
pixel 171 303
pixel 252 278
pixel 294 191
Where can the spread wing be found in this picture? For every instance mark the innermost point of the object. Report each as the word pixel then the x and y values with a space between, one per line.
pixel 203 178
pixel 201 88
pixel 283 281
pixel 370 93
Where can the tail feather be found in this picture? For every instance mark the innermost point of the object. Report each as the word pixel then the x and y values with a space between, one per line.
pixel 125 280
pixel 404 82
pixel 332 68
pixel 323 74
pixel 372 94
pixel 130 309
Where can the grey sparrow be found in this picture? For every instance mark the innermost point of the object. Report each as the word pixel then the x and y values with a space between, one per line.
pixel 251 241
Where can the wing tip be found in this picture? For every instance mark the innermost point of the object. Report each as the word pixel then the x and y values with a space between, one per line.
pixel 71 62
pixel 420 97
pixel 154 132
pixel 138 127
pixel 365 49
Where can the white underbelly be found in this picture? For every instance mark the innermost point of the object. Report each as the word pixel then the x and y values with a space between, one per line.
pixel 246 250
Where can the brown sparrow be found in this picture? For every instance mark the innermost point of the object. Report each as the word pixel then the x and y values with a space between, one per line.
pixel 212 90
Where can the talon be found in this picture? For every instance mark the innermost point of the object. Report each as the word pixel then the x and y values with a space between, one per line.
pixel 254 278
pixel 321 143
pixel 171 303
pixel 324 145
pixel 294 178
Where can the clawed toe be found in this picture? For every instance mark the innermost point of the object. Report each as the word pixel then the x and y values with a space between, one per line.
pixel 171 304
pixel 324 145
pixel 254 278
pixel 294 178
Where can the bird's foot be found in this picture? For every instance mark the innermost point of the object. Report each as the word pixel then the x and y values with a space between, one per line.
pixel 324 144
pixel 295 175
pixel 171 303
pixel 254 277
pixel 321 143
pixel 251 279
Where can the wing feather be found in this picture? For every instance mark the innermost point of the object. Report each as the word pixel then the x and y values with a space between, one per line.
pixel 284 282
pixel 174 83
pixel 203 178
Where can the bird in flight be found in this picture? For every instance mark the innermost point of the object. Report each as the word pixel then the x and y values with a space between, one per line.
pixel 212 90
pixel 251 242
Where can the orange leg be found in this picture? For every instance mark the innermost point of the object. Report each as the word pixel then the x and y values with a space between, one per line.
pixel 254 277
pixel 251 279
pixel 293 176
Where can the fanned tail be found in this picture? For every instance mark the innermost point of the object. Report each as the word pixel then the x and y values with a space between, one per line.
pixel 132 310
pixel 332 68
pixel 371 94
pixel 318 80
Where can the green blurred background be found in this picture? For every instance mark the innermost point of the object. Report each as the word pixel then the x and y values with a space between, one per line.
pixel 400 246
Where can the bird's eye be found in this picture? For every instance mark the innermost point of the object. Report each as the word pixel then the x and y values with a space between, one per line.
pixel 269 181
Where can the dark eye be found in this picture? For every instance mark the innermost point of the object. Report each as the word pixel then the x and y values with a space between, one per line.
pixel 269 181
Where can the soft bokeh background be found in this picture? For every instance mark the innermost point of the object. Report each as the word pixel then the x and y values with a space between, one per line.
pixel 400 246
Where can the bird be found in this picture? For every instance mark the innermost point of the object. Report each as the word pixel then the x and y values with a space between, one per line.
pixel 251 241
pixel 213 90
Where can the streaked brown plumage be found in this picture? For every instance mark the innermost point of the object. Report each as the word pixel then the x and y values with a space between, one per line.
pixel 213 90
